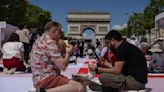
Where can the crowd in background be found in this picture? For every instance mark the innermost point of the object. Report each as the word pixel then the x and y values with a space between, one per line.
pixel 154 54
pixel 22 41
pixel 16 50
pixel 46 55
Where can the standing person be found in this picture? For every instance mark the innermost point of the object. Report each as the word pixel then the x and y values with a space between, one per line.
pixel 75 54
pixel 97 42
pixel 33 37
pixel 85 48
pixel 76 51
pixel 47 62
pixel 25 39
pixel 98 51
pixel 104 47
pixel 110 56
pixel 130 69
pixel 13 55
pixel 157 60
pixel 81 49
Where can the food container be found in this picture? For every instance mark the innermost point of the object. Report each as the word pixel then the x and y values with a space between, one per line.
pixel 82 78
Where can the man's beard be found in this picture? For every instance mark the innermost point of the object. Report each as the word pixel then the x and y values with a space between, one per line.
pixel 113 48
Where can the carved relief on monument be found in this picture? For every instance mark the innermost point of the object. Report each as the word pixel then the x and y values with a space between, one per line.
pixel 74 28
pixel 79 22
pixel 83 27
pixel 103 29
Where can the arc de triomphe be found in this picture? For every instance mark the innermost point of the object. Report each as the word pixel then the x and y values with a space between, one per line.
pixel 79 21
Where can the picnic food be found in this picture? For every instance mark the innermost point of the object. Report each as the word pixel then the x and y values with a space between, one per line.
pixel 82 78
pixel 91 72
pixel 91 63
pixel 101 59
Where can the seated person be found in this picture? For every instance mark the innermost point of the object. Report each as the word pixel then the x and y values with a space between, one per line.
pixel 47 62
pixel 156 64
pixel 144 47
pixel 13 55
pixel 104 47
pixel 129 71
pixel 75 53
pixel 110 56
pixel 107 61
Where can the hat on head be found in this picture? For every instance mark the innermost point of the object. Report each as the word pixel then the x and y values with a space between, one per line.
pixel 156 48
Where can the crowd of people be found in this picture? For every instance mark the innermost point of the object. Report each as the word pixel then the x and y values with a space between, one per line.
pixel 121 62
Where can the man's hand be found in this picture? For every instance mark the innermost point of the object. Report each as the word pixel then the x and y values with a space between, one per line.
pixel 69 48
pixel 106 63
pixel 61 63
pixel 92 67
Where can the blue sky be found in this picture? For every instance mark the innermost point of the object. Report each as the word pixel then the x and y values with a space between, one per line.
pixel 120 10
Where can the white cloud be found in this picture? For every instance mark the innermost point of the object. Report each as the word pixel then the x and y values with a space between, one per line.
pixel 119 27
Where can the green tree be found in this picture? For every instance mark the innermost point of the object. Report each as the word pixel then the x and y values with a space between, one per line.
pixel 13 11
pixel 36 17
pixel 136 24
pixel 140 22
pixel 124 32
pixel 154 8
pixel 21 11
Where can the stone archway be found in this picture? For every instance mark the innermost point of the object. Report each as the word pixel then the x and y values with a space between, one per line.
pixel 99 21
pixel 88 35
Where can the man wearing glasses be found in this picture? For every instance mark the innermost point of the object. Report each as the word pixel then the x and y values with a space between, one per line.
pixel 130 69
pixel 47 62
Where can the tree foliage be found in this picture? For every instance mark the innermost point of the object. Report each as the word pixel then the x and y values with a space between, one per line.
pixel 139 22
pixel 13 11
pixel 124 32
pixel 136 24
pixel 21 11
pixel 36 17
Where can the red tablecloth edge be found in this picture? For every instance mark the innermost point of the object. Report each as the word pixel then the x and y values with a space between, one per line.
pixel 85 71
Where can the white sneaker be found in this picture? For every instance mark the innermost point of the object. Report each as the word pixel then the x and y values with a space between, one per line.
pixel 5 71
pixel 12 71
pixel 31 89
